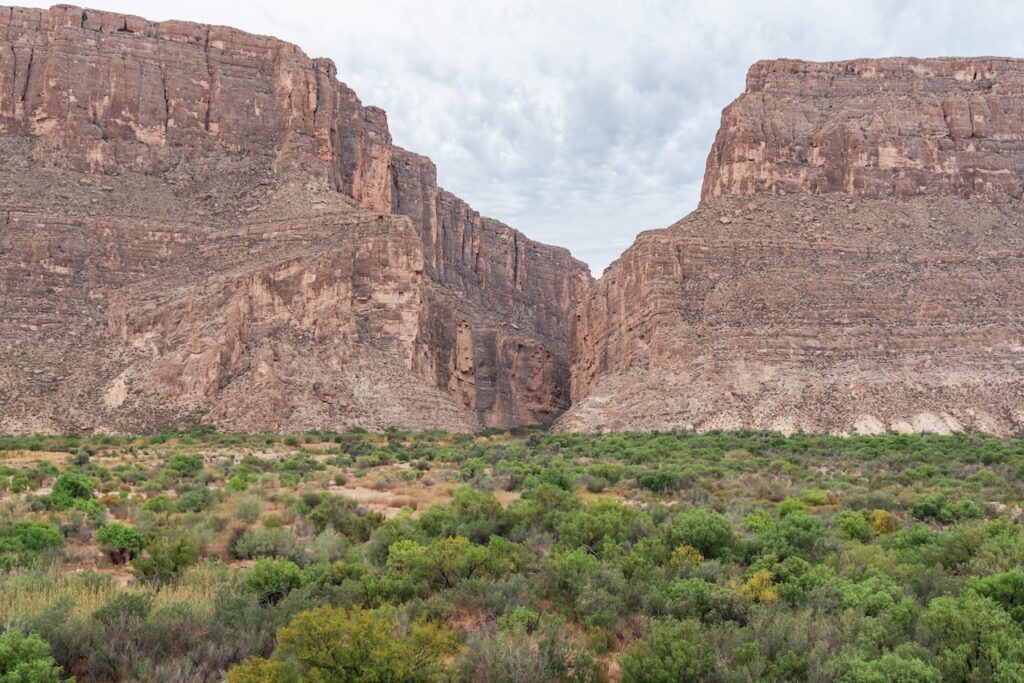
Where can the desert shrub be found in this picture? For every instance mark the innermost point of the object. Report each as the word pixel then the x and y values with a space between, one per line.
pixel 368 645
pixel 852 525
pixel 883 522
pixel 709 532
pixel 657 480
pixel 195 500
pixel 256 543
pixel 939 508
pixel 24 543
pixel 249 509
pixel 70 488
pixel 164 561
pixel 26 659
pixel 670 652
pixel 121 543
pixel 271 580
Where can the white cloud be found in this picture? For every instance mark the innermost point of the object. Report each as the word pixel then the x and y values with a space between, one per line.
pixel 583 122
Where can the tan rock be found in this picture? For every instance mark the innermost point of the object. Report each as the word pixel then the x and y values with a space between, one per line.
pixel 254 252
pixel 875 282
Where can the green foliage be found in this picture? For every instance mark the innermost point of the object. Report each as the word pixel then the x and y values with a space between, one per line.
pixel 343 516
pixel 671 652
pixel 976 639
pixel 122 543
pixel 657 480
pixel 853 526
pixel 26 659
pixel 195 500
pixel 24 543
pixel 889 668
pixel 1006 590
pixel 857 559
pixel 709 532
pixel 70 488
pixel 939 508
pixel 164 561
pixel 521 618
pixel 272 580
pixel 186 465
pixel 330 644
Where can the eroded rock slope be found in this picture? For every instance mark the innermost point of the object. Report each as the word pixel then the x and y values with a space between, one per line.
pixel 200 223
pixel 855 263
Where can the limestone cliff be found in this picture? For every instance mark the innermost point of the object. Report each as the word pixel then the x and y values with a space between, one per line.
pixel 855 264
pixel 511 299
pixel 200 223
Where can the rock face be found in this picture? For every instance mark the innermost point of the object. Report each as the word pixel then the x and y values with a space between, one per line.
pixel 855 264
pixel 199 223
pixel 512 298
pixel 874 128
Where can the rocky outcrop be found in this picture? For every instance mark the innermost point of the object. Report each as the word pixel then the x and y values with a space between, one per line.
pixel 199 223
pixel 874 128
pixel 112 93
pixel 854 266
pixel 510 297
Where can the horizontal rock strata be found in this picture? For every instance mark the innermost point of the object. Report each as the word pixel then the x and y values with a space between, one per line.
pixel 854 266
pixel 203 224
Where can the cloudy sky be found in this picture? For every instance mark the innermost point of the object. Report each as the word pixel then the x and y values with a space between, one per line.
pixel 583 122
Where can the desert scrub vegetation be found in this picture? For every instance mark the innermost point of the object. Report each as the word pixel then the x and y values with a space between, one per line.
pixel 525 556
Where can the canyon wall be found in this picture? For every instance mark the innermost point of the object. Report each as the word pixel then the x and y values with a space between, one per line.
pixel 874 128
pixel 511 298
pixel 203 224
pixel 854 265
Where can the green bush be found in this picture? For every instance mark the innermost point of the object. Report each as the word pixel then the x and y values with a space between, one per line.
pixel 271 580
pixel 25 543
pixel 852 525
pixel 671 652
pixel 195 500
pixel 707 531
pixel 329 644
pixel 164 560
pixel 71 487
pixel 26 659
pixel 121 543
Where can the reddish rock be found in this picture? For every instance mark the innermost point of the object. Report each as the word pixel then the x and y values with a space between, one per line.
pixel 511 298
pixel 874 128
pixel 200 223
pixel 855 264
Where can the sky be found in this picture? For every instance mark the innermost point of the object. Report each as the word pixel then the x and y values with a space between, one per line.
pixel 583 122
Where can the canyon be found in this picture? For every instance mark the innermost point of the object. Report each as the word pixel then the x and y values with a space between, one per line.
pixel 204 225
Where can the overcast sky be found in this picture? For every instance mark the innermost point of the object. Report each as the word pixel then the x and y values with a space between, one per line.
pixel 583 122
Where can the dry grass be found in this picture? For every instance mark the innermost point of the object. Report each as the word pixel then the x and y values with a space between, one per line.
pixel 25 592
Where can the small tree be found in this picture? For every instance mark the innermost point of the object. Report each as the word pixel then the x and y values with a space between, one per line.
pixel 121 543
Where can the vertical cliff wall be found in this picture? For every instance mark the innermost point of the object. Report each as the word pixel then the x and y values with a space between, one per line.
pixel 511 300
pixel 200 223
pixel 855 264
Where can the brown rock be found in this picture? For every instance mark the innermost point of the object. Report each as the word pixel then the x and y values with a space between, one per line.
pixel 890 301
pixel 874 128
pixel 253 253
pixel 513 299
